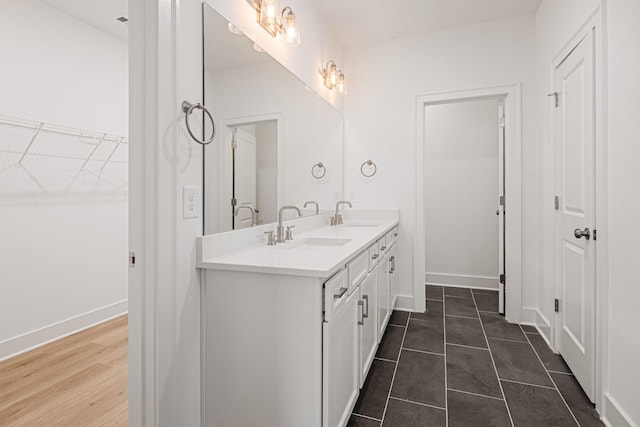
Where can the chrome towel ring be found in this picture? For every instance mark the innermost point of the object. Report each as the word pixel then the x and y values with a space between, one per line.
pixel 318 171
pixel 372 172
pixel 188 108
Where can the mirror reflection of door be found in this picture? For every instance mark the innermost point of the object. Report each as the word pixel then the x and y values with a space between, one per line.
pixel 252 153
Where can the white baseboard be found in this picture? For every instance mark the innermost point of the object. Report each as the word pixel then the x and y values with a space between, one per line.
pixel 461 280
pixel 533 317
pixel 404 303
pixel 31 340
pixel 613 415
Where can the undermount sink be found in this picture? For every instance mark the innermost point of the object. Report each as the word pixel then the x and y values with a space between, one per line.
pixel 314 243
pixel 364 224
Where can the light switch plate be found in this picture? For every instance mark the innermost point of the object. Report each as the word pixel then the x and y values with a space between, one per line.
pixel 190 202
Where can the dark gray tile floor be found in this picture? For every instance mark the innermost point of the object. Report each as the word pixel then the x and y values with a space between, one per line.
pixel 462 364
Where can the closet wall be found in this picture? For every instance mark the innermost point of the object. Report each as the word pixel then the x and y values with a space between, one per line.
pixel 63 222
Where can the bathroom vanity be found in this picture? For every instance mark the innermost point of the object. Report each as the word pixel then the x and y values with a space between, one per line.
pixel 290 330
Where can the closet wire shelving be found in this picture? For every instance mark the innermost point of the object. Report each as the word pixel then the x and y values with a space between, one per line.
pixel 41 159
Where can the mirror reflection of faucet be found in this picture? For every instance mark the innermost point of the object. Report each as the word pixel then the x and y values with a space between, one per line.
pixel 280 234
pixel 337 218
pixel 311 202
pixel 253 213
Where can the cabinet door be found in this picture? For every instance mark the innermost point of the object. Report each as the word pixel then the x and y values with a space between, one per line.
pixel 383 295
pixel 393 276
pixel 369 324
pixel 340 364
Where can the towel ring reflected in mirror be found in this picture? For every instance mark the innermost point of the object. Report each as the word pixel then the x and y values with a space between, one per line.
pixel 371 172
pixel 188 108
pixel 318 171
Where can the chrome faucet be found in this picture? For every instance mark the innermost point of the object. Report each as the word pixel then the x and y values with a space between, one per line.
pixel 337 218
pixel 280 236
pixel 313 203
pixel 253 213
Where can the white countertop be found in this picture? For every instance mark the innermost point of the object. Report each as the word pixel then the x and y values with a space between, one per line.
pixel 289 259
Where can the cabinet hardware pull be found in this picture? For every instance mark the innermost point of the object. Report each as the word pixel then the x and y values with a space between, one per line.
pixel 365 313
pixel 375 256
pixel 383 248
pixel 361 304
pixel 342 292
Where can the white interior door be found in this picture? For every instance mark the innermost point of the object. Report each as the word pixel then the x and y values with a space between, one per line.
pixel 500 210
pixel 244 158
pixel 576 215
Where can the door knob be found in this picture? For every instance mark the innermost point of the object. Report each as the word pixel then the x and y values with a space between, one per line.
pixel 582 233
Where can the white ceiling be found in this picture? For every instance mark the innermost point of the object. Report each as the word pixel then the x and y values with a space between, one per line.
pixel 364 21
pixel 353 21
pixel 101 14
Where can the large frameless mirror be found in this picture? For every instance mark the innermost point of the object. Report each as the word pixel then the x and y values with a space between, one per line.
pixel 278 142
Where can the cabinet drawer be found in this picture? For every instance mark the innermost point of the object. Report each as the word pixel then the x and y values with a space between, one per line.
pixel 358 269
pixel 374 255
pixel 384 245
pixel 336 292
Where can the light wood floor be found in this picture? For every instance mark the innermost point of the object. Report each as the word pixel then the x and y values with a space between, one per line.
pixel 80 380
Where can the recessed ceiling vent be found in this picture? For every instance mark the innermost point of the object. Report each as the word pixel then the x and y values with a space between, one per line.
pixel 122 19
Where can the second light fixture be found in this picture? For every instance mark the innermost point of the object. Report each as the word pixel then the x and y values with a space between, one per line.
pixel 333 77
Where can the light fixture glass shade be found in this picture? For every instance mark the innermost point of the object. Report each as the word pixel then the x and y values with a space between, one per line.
pixel 269 11
pixel 290 28
pixel 333 75
pixel 342 84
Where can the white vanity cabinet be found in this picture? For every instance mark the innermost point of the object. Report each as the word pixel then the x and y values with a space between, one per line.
pixel 340 364
pixel 283 346
pixel 368 334
pixel 384 311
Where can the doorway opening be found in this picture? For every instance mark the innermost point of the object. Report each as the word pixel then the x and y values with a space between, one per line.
pixel 464 219
pixel 483 183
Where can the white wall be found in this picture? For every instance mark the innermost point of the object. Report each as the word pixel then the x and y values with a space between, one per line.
pixel 461 193
pixel 62 255
pixel 384 80
pixel 624 205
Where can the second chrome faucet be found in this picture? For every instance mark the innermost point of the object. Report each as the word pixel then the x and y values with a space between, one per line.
pixel 337 218
pixel 280 235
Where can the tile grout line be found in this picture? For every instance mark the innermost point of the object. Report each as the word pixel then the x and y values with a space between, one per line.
pixel 385 360
pixel 475 394
pixel 508 340
pixel 422 351
pixel 395 369
pixel 527 384
pixel 417 403
pixel 366 416
pixel 463 317
pixel 446 379
pixel 506 404
pixel 467 346
pixel 552 381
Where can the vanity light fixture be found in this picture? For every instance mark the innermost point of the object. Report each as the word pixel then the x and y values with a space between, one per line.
pixel 277 22
pixel 333 77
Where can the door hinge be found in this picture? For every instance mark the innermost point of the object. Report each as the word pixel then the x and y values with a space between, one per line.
pixel 502 122
pixel 234 202
pixel 555 98
pixel 502 279
pixel 556 305
pixel 132 259
pixel 595 234
pixel 556 202
pixel 501 200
